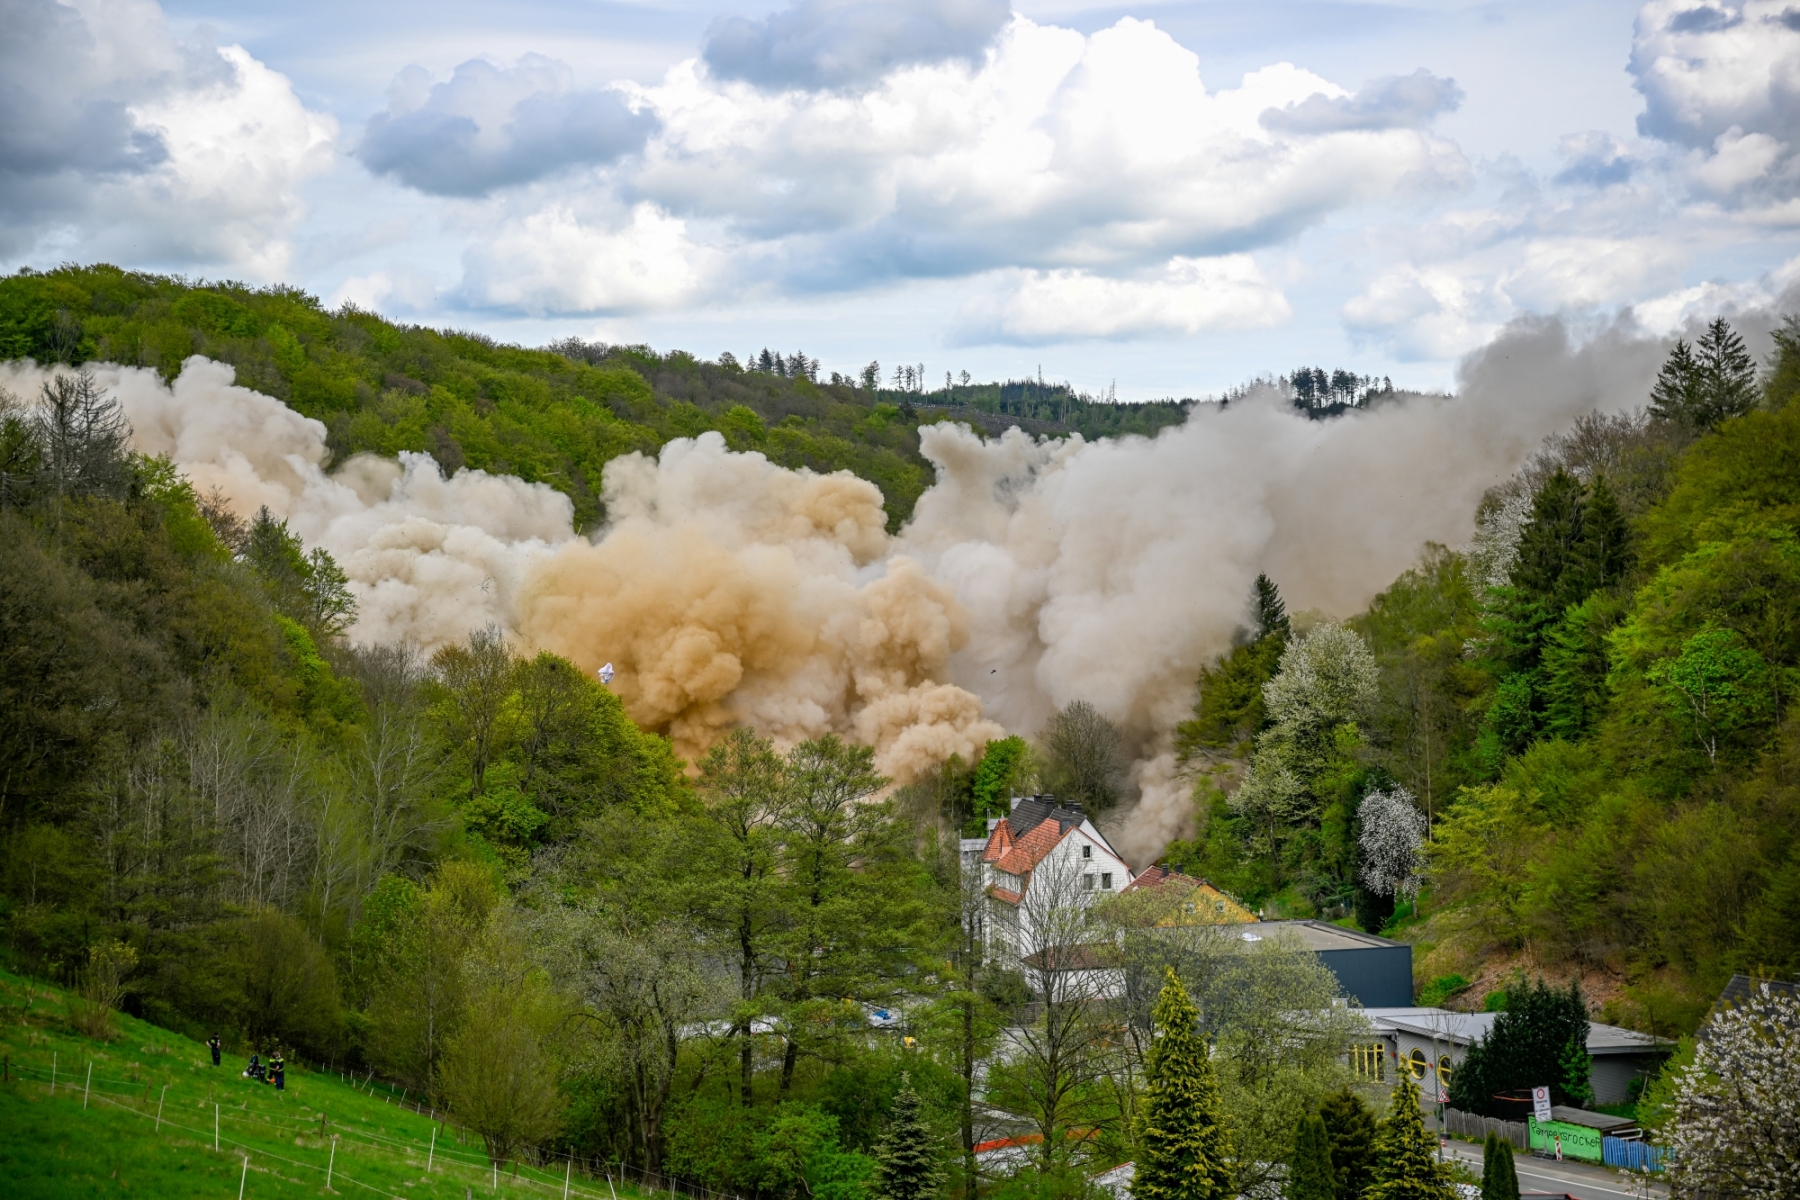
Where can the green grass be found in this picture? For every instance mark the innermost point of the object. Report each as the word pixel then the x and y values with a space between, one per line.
pixel 111 1143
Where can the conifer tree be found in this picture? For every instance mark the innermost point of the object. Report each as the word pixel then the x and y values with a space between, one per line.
pixel 1676 394
pixel 1603 554
pixel 1727 374
pixel 1271 613
pixel 1309 1170
pixel 1185 1147
pixel 906 1164
pixel 1406 1165
pixel 1499 1177
pixel 1351 1127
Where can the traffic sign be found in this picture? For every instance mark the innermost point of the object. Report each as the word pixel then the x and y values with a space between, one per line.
pixel 1540 1103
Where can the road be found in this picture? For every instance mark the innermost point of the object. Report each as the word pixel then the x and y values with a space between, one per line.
pixel 1574 1179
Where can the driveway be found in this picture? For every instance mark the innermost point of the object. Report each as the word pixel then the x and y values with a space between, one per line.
pixel 1574 1179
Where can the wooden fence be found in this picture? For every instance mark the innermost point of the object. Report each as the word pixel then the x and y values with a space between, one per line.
pixel 1469 1125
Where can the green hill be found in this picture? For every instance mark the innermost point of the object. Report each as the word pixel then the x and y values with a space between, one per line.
pixel 136 1116
pixel 552 415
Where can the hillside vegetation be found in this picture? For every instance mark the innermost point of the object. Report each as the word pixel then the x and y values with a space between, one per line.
pixel 1589 716
pixel 553 415
pixel 134 1113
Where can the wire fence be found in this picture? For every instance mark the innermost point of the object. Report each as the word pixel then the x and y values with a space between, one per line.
pixel 586 1177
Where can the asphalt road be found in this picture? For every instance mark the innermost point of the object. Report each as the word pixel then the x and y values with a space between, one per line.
pixel 1573 1179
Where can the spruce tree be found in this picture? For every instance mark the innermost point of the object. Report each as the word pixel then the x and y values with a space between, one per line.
pixel 1547 570
pixel 1676 395
pixel 1727 375
pixel 1499 1176
pixel 1271 613
pixel 906 1162
pixel 1406 1164
pixel 1184 1146
pixel 1309 1170
pixel 1603 554
pixel 1351 1127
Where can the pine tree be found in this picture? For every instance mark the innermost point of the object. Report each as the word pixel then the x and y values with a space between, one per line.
pixel 1406 1164
pixel 1728 377
pixel 1351 1128
pixel 1185 1147
pixel 1499 1177
pixel 1309 1170
pixel 906 1162
pixel 1547 569
pixel 1676 395
pixel 1603 554
pixel 1271 613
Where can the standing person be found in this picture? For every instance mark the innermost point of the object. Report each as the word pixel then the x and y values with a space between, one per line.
pixel 212 1043
pixel 278 1070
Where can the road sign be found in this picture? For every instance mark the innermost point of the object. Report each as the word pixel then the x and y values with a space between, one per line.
pixel 1540 1103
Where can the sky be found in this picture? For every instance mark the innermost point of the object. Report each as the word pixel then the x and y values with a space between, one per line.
pixel 1166 197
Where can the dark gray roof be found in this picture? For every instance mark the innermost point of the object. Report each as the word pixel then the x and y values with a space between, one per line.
pixel 1031 811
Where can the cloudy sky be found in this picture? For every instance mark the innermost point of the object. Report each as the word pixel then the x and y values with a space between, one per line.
pixel 1175 195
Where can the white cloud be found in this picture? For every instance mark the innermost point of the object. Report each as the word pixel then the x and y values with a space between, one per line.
pixel 119 141
pixel 847 43
pixel 1188 296
pixel 1059 151
pixel 555 261
pixel 489 126
pixel 1724 79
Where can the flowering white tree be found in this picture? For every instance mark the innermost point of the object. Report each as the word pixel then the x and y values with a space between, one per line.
pixel 1737 1105
pixel 1392 840
pixel 1327 679
pixel 1495 547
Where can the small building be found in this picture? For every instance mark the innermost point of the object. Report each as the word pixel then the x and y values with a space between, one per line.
pixel 1370 970
pixel 1430 1043
pixel 1171 899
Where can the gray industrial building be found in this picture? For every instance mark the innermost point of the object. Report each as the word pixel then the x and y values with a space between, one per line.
pixel 1371 970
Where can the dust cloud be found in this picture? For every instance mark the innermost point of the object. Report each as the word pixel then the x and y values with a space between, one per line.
pixel 727 590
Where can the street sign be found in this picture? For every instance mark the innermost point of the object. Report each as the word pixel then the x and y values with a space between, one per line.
pixel 1540 1103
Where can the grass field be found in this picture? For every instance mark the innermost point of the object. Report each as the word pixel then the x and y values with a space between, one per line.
pixel 98 1132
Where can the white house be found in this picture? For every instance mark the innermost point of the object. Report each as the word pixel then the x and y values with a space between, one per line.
pixel 1043 859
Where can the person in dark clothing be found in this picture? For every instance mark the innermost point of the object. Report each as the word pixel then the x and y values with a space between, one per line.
pixel 212 1043
pixel 278 1071
pixel 255 1069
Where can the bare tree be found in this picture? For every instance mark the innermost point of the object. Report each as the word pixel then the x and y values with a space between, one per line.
pixel 1053 1058
pixel 1086 756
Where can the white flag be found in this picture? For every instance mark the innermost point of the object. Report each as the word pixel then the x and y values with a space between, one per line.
pixel 606 673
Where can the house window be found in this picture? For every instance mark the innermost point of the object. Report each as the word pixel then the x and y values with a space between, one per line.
pixel 1087 851
pixel 1106 881
pixel 1445 1066
pixel 1188 907
pixel 1087 882
pixel 1219 907
pixel 1417 1063
pixel 1369 1060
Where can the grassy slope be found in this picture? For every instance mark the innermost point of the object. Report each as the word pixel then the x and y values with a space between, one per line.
pixel 50 1145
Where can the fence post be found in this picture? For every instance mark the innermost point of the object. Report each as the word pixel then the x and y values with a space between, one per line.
pixel 569 1171
pixel 331 1163
pixel 215 1127
pixel 89 1085
pixel 431 1153
pixel 245 1177
pixel 159 1104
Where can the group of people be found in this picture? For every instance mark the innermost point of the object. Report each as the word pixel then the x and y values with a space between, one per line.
pixel 273 1072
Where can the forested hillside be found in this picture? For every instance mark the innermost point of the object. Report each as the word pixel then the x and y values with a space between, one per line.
pixel 1571 747
pixel 554 415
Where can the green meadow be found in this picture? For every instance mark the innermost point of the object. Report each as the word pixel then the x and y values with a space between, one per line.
pixel 145 1113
